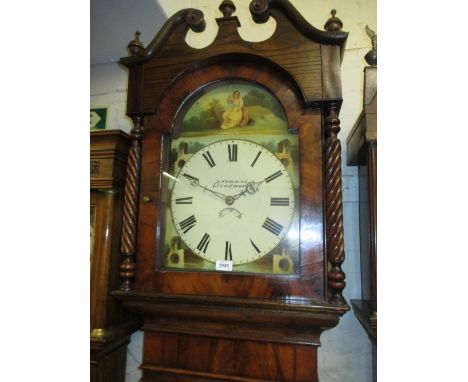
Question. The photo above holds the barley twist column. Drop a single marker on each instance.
(130, 213)
(334, 206)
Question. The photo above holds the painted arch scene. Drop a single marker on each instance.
(235, 107)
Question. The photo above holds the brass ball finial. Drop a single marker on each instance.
(135, 46)
(227, 8)
(333, 24)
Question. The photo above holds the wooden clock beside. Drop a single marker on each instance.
(362, 152)
(262, 320)
(111, 327)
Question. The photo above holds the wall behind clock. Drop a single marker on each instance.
(346, 351)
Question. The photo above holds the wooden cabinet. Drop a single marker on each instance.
(110, 326)
(362, 152)
(260, 317)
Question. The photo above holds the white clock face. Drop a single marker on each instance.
(233, 200)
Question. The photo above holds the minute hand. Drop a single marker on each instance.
(195, 182)
(218, 194)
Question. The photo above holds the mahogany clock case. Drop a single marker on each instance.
(241, 326)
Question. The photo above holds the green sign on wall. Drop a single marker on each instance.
(98, 118)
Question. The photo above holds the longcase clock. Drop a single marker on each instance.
(362, 152)
(111, 327)
(232, 240)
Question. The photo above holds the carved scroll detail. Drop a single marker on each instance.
(260, 10)
(195, 20)
(130, 213)
(334, 206)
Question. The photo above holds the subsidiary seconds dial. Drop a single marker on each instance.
(233, 200)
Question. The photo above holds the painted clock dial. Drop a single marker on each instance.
(230, 184)
(233, 200)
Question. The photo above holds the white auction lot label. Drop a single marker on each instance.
(223, 265)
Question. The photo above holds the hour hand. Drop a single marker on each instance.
(251, 188)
